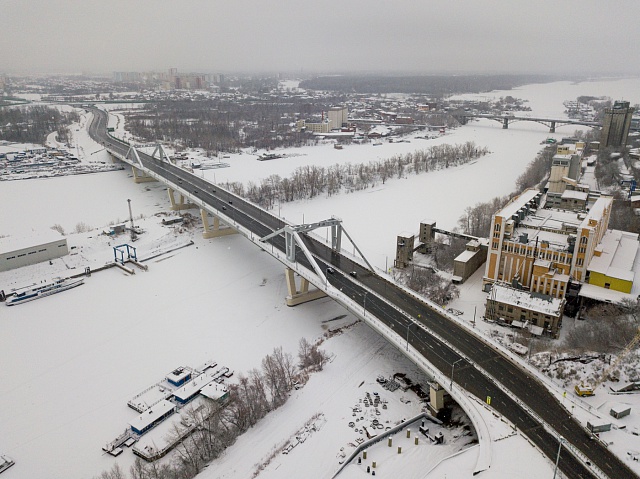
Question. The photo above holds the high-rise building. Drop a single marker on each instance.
(338, 117)
(615, 125)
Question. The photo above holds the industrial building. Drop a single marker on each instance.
(564, 168)
(338, 117)
(16, 252)
(540, 249)
(467, 262)
(612, 264)
(537, 312)
(404, 250)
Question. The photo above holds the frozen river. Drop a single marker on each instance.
(68, 367)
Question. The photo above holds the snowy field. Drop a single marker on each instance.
(70, 362)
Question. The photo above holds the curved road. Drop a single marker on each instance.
(478, 374)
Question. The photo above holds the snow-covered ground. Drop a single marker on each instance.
(70, 362)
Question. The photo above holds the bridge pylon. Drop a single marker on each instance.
(162, 154)
(215, 230)
(139, 175)
(300, 295)
(294, 241)
(182, 203)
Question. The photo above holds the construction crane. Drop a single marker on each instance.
(134, 236)
(586, 389)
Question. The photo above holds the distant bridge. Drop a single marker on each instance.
(552, 123)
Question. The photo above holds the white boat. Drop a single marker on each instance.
(57, 286)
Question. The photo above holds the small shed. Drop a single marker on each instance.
(191, 389)
(179, 376)
(215, 391)
(597, 425)
(620, 410)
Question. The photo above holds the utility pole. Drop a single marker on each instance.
(452, 368)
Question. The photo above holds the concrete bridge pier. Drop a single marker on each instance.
(181, 204)
(140, 176)
(214, 231)
(302, 295)
(505, 123)
(552, 129)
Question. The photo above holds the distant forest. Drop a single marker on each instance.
(32, 124)
(434, 85)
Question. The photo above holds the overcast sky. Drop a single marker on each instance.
(424, 36)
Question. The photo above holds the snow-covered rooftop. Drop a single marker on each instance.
(178, 375)
(193, 386)
(466, 255)
(618, 251)
(575, 195)
(14, 243)
(597, 210)
(605, 295)
(511, 208)
(151, 415)
(214, 390)
(524, 299)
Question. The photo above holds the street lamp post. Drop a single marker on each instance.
(408, 326)
(453, 365)
(555, 471)
(364, 304)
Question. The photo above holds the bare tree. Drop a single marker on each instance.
(58, 228)
(310, 355)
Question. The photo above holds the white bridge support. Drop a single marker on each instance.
(215, 230)
(182, 203)
(162, 154)
(302, 295)
(139, 175)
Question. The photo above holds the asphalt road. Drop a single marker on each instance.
(475, 374)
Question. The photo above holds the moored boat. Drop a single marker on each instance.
(57, 286)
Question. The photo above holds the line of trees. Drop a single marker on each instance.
(476, 220)
(32, 124)
(439, 85)
(255, 394)
(311, 181)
